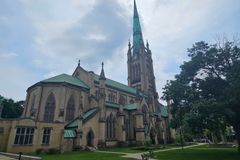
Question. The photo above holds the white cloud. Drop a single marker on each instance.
(15, 80)
(98, 30)
(8, 55)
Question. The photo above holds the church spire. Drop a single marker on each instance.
(137, 31)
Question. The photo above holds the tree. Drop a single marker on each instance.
(10, 108)
(208, 86)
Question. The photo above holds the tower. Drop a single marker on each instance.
(140, 64)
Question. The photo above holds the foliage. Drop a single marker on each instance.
(41, 151)
(11, 109)
(53, 151)
(206, 93)
(147, 144)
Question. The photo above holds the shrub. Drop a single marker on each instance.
(147, 144)
(40, 151)
(53, 151)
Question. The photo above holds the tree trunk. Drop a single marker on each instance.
(214, 138)
(238, 139)
(237, 134)
(223, 137)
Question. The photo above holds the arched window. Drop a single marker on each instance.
(112, 97)
(127, 125)
(133, 73)
(111, 124)
(139, 72)
(144, 111)
(49, 108)
(136, 74)
(32, 110)
(70, 109)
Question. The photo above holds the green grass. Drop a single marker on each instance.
(200, 153)
(83, 155)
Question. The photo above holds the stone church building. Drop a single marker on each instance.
(67, 112)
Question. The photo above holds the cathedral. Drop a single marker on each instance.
(69, 112)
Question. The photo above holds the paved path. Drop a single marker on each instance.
(5, 158)
(138, 155)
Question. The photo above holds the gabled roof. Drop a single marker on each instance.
(116, 85)
(64, 78)
(86, 115)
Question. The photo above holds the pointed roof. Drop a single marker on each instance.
(102, 74)
(64, 78)
(137, 31)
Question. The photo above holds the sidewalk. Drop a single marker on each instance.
(138, 155)
(6, 158)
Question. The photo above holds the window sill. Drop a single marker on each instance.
(22, 145)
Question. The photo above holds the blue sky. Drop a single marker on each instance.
(43, 38)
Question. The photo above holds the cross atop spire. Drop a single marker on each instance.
(137, 31)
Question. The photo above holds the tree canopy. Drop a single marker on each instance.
(208, 88)
(10, 108)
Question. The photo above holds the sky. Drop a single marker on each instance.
(43, 38)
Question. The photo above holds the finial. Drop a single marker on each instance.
(147, 44)
(129, 43)
(79, 62)
(102, 74)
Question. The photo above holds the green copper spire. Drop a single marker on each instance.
(137, 31)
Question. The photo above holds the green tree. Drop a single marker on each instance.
(10, 108)
(208, 86)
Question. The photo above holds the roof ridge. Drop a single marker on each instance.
(66, 78)
(117, 82)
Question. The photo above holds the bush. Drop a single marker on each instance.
(122, 144)
(77, 148)
(40, 151)
(53, 151)
(161, 141)
(171, 140)
(147, 144)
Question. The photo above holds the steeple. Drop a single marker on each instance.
(140, 65)
(137, 31)
(102, 74)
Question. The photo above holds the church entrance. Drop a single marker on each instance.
(90, 138)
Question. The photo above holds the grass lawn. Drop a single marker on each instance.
(83, 155)
(200, 153)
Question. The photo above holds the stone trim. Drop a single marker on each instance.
(140, 130)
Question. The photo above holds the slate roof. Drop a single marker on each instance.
(68, 133)
(116, 85)
(64, 78)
